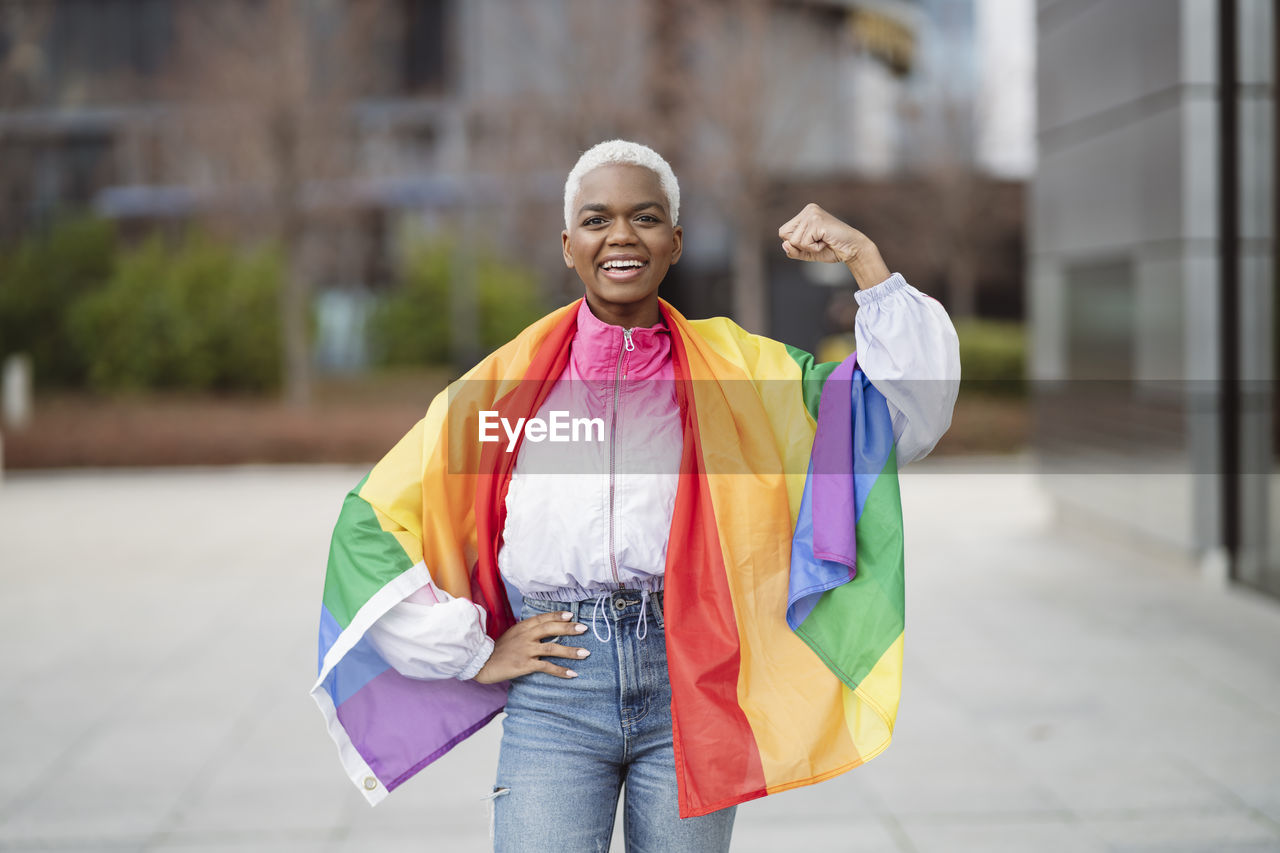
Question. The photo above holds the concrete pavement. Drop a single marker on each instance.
(1062, 693)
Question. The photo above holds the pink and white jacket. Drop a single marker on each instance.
(591, 516)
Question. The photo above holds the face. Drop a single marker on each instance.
(621, 242)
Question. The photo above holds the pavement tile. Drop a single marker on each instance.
(1007, 835)
(427, 837)
(833, 833)
(1182, 830)
(1155, 784)
(255, 811)
(83, 816)
(961, 790)
(55, 845)
(264, 842)
(944, 770)
(1199, 847)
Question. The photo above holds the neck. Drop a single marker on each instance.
(628, 316)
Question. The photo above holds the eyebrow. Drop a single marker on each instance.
(604, 208)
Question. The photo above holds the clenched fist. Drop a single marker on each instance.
(813, 234)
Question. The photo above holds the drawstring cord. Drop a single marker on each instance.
(642, 627)
(594, 611)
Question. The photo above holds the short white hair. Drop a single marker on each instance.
(622, 151)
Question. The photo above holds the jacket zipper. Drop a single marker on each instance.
(618, 375)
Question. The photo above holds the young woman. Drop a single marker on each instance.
(671, 600)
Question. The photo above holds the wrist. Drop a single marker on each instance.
(867, 266)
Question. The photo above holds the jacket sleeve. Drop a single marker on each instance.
(432, 635)
(908, 348)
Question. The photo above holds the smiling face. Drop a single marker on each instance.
(621, 243)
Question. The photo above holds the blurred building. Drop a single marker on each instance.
(467, 115)
(1153, 277)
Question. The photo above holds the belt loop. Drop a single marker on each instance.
(655, 601)
(573, 610)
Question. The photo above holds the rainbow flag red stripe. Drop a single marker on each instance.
(784, 594)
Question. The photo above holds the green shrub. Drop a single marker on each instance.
(198, 317)
(41, 279)
(412, 325)
(993, 356)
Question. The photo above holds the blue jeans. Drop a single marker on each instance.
(570, 745)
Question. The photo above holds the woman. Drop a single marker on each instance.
(701, 619)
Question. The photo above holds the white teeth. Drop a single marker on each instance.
(613, 265)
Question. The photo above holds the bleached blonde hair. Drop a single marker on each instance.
(622, 151)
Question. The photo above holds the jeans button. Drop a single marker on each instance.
(620, 603)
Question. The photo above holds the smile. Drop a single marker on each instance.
(623, 270)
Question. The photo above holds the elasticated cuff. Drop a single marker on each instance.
(478, 661)
(889, 286)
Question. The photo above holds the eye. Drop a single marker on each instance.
(591, 220)
(649, 216)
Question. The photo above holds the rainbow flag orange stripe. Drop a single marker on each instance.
(784, 593)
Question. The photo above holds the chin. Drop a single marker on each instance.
(625, 296)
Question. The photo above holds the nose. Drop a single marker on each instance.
(620, 232)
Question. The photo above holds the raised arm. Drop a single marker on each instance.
(907, 345)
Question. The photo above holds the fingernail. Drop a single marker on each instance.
(582, 653)
(579, 627)
(571, 673)
(566, 615)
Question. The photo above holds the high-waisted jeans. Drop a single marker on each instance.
(570, 745)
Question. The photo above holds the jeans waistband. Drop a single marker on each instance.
(570, 594)
(609, 606)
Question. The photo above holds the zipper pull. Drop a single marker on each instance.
(627, 343)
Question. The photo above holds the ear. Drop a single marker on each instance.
(677, 239)
(565, 249)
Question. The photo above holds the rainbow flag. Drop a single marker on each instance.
(784, 583)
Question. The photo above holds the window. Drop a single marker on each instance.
(425, 63)
(1100, 320)
(95, 44)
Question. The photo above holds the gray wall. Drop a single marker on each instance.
(1124, 264)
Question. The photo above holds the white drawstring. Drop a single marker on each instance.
(642, 627)
(595, 610)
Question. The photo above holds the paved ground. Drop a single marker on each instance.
(1061, 694)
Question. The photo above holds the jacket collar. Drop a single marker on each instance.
(597, 347)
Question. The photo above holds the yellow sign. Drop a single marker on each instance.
(884, 37)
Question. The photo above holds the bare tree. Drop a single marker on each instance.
(23, 75)
(728, 94)
(266, 131)
(959, 222)
(964, 220)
